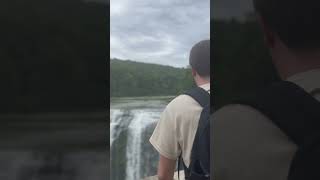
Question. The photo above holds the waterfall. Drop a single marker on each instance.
(115, 115)
(132, 123)
(137, 125)
(133, 152)
(142, 120)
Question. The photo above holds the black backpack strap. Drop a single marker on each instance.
(203, 98)
(297, 114)
(200, 95)
(179, 162)
(185, 168)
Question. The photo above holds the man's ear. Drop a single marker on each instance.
(269, 35)
(194, 72)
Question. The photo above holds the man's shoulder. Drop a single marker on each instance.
(238, 109)
(243, 134)
(182, 100)
(186, 100)
(238, 114)
(244, 120)
(183, 104)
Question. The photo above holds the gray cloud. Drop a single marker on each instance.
(158, 31)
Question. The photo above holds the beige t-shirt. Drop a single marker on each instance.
(176, 129)
(248, 146)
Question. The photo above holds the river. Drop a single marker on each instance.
(132, 123)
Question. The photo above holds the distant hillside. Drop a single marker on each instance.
(129, 78)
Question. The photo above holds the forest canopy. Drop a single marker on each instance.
(129, 78)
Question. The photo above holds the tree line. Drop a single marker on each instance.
(129, 78)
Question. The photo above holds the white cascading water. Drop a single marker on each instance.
(132, 123)
(115, 121)
(141, 120)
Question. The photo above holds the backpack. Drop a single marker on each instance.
(199, 168)
(297, 114)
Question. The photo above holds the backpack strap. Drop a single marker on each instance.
(297, 114)
(200, 95)
(179, 162)
(185, 168)
(203, 98)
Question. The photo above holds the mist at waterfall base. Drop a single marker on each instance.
(132, 123)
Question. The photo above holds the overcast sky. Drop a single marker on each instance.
(158, 31)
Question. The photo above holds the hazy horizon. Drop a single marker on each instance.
(153, 63)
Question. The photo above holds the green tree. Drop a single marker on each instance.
(129, 78)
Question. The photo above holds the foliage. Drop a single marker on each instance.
(129, 78)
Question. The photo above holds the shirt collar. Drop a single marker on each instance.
(308, 80)
(205, 86)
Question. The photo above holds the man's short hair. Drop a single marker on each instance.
(200, 58)
(296, 22)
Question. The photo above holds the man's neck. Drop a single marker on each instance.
(202, 83)
(299, 63)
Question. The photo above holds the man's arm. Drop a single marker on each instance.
(166, 168)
